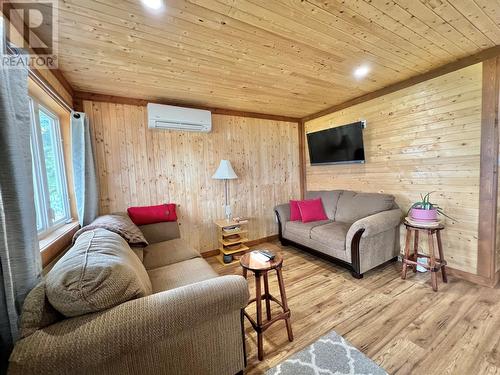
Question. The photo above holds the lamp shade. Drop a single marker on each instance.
(225, 171)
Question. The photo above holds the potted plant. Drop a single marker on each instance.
(425, 210)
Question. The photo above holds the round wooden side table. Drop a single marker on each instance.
(435, 264)
(261, 269)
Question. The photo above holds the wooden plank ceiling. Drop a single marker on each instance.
(284, 57)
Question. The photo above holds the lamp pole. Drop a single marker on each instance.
(225, 172)
(228, 207)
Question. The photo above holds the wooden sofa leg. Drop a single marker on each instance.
(284, 242)
(355, 258)
(356, 275)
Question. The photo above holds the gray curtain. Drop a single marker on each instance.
(84, 173)
(20, 261)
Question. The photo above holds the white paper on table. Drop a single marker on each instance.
(259, 257)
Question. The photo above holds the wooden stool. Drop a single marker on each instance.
(435, 264)
(260, 269)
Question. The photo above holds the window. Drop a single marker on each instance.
(49, 178)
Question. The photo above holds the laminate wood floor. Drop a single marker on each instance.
(402, 325)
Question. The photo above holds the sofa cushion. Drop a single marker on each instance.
(329, 198)
(168, 252)
(320, 246)
(301, 229)
(100, 271)
(332, 234)
(179, 274)
(37, 312)
(353, 206)
(159, 232)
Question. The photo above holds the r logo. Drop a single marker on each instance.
(30, 29)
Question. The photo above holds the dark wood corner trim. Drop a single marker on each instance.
(488, 181)
(447, 68)
(63, 81)
(302, 159)
(80, 96)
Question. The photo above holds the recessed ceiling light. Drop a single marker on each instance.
(361, 71)
(153, 4)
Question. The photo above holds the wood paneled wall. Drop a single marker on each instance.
(141, 166)
(423, 138)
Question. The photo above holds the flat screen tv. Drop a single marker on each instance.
(342, 144)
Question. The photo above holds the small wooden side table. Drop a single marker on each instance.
(261, 269)
(435, 264)
(224, 233)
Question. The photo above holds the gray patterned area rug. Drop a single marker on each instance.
(330, 355)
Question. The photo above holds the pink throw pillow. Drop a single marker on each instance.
(294, 211)
(312, 210)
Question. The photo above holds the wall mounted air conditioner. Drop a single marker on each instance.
(170, 117)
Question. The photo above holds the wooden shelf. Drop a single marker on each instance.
(225, 223)
(235, 261)
(224, 234)
(242, 231)
(240, 250)
(232, 242)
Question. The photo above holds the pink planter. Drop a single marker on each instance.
(420, 214)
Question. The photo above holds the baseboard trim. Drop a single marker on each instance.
(258, 241)
(210, 253)
(476, 279)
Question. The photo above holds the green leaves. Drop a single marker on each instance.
(425, 204)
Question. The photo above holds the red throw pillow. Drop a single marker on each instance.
(312, 210)
(294, 211)
(152, 214)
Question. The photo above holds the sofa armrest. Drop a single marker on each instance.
(128, 327)
(375, 224)
(283, 212)
(373, 240)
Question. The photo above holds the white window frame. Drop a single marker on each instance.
(40, 174)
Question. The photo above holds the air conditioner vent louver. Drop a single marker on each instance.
(178, 118)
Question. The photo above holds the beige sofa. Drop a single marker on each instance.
(361, 233)
(188, 320)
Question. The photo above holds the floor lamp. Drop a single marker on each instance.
(225, 172)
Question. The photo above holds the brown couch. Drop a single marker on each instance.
(183, 317)
(362, 230)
